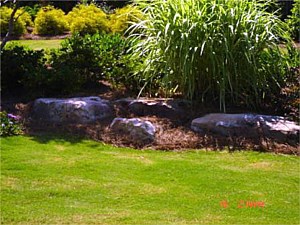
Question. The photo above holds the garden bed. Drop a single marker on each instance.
(173, 130)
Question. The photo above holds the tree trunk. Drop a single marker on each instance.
(10, 27)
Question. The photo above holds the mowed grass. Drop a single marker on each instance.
(59, 180)
(40, 44)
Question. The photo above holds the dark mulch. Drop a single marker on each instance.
(173, 133)
(168, 137)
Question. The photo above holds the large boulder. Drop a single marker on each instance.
(169, 108)
(138, 130)
(71, 110)
(248, 125)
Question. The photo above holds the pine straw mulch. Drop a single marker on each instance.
(171, 135)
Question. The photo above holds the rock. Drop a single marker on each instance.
(71, 110)
(137, 129)
(169, 108)
(248, 125)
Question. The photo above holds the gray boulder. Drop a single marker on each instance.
(137, 129)
(71, 110)
(248, 125)
(162, 107)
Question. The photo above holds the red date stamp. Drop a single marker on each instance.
(244, 204)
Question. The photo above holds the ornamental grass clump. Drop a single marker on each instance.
(213, 50)
(294, 21)
(122, 18)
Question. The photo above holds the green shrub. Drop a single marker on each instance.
(50, 21)
(29, 71)
(10, 124)
(87, 19)
(32, 10)
(24, 16)
(294, 21)
(94, 57)
(80, 63)
(19, 25)
(224, 50)
(17, 64)
(286, 102)
(122, 18)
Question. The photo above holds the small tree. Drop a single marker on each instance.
(12, 19)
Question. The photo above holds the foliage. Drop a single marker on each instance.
(32, 11)
(69, 180)
(10, 124)
(50, 21)
(17, 64)
(27, 70)
(294, 21)
(94, 57)
(87, 19)
(287, 101)
(210, 50)
(122, 18)
(22, 18)
(80, 63)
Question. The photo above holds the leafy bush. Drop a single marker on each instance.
(50, 21)
(87, 19)
(20, 24)
(122, 18)
(223, 50)
(80, 63)
(94, 57)
(286, 102)
(17, 64)
(10, 124)
(32, 11)
(294, 21)
(27, 70)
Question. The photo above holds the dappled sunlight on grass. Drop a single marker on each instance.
(40, 44)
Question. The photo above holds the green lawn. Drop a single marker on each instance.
(57, 180)
(41, 44)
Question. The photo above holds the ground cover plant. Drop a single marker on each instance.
(70, 180)
(225, 51)
(10, 124)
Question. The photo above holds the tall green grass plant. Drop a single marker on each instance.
(213, 50)
(294, 21)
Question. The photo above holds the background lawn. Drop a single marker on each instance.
(58, 180)
(40, 44)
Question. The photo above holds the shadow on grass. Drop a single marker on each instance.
(46, 137)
